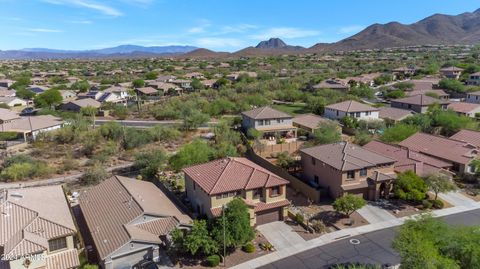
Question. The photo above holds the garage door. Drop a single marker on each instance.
(268, 216)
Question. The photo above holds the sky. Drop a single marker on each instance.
(221, 25)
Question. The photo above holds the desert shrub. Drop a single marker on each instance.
(5, 136)
(94, 175)
(438, 204)
(162, 133)
(266, 246)
(213, 260)
(318, 226)
(249, 248)
(427, 204)
(298, 218)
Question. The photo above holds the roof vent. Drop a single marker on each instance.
(16, 195)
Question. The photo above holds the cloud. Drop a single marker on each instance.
(44, 30)
(196, 30)
(285, 32)
(105, 9)
(351, 29)
(201, 27)
(240, 28)
(217, 42)
(81, 22)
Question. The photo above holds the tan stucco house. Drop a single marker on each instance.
(211, 185)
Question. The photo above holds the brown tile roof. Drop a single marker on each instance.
(30, 217)
(421, 100)
(440, 93)
(351, 106)
(345, 156)
(63, 260)
(265, 112)
(331, 84)
(468, 136)
(7, 114)
(440, 147)
(86, 102)
(33, 123)
(109, 207)
(424, 84)
(462, 107)
(147, 90)
(407, 159)
(393, 113)
(310, 121)
(232, 174)
(451, 68)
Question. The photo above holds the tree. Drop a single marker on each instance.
(151, 75)
(452, 85)
(238, 230)
(150, 163)
(193, 118)
(348, 204)
(439, 183)
(349, 122)
(48, 99)
(398, 133)
(284, 160)
(198, 240)
(197, 84)
(138, 83)
(24, 93)
(316, 104)
(196, 152)
(395, 94)
(81, 86)
(327, 133)
(410, 187)
(94, 175)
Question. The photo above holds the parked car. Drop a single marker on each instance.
(28, 111)
(146, 265)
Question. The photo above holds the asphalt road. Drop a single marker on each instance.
(148, 123)
(373, 248)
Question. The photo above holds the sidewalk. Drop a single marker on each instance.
(350, 232)
(374, 214)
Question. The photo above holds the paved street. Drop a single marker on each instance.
(374, 247)
(280, 235)
(374, 214)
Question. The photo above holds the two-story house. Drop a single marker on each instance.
(127, 221)
(37, 229)
(351, 108)
(418, 103)
(348, 168)
(474, 79)
(473, 97)
(270, 122)
(451, 72)
(210, 186)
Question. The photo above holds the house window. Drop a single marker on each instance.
(257, 193)
(351, 175)
(363, 172)
(368, 113)
(267, 122)
(194, 185)
(57, 244)
(357, 115)
(225, 195)
(260, 122)
(337, 112)
(275, 191)
(315, 179)
(313, 161)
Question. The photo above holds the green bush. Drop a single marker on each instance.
(438, 204)
(427, 204)
(319, 226)
(213, 260)
(249, 248)
(6, 136)
(298, 218)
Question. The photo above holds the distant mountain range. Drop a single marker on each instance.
(437, 29)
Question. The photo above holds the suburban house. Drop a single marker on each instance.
(351, 108)
(404, 72)
(473, 97)
(13, 101)
(424, 84)
(126, 221)
(121, 91)
(37, 229)
(68, 95)
(451, 72)
(474, 79)
(393, 114)
(165, 78)
(235, 75)
(28, 127)
(459, 153)
(407, 159)
(418, 103)
(185, 84)
(77, 105)
(465, 109)
(37, 89)
(440, 94)
(469, 136)
(5, 92)
(270, 122)
(165, 88)
(104, 97)
(343, 167)
(7, 83)
(310, 122)
(147, 92)
(333, 85)
(210, 186)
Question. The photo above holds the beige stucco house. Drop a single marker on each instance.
(211, 185)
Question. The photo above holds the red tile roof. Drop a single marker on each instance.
(351, 106)
(232, 174)
(469, 136)
(420, 99)
(462, 107)
(266, 112)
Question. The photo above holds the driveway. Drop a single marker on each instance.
(456, 199)
(375, 214)
(280, 235)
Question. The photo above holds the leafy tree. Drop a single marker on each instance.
(164, 133)
(284, 160)
(404, 85)
(363, 138)
(395, 94)
(48, 98)
(238, 231)
(316, 104)
(135, 138)
(398, 133)
(193, 118)
(327, 133)
(439, 183)
(349, 122)
(198, 240)
(24, 93)
(348, 204)
(363, 92)
(195, 152)
(150, 163)
(253, 133)
(138, 83)
(94, 175)
(81, 86)
(111, 130)
(90, 266)
(410, 187)
(451, 85)
(197, 84)
(151, 75)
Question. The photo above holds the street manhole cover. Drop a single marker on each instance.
(354, 241)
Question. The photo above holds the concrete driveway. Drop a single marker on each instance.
(280, 235)
(375, 214)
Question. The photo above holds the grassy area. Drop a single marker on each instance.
(292, 109)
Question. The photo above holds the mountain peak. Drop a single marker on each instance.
(272, 43)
